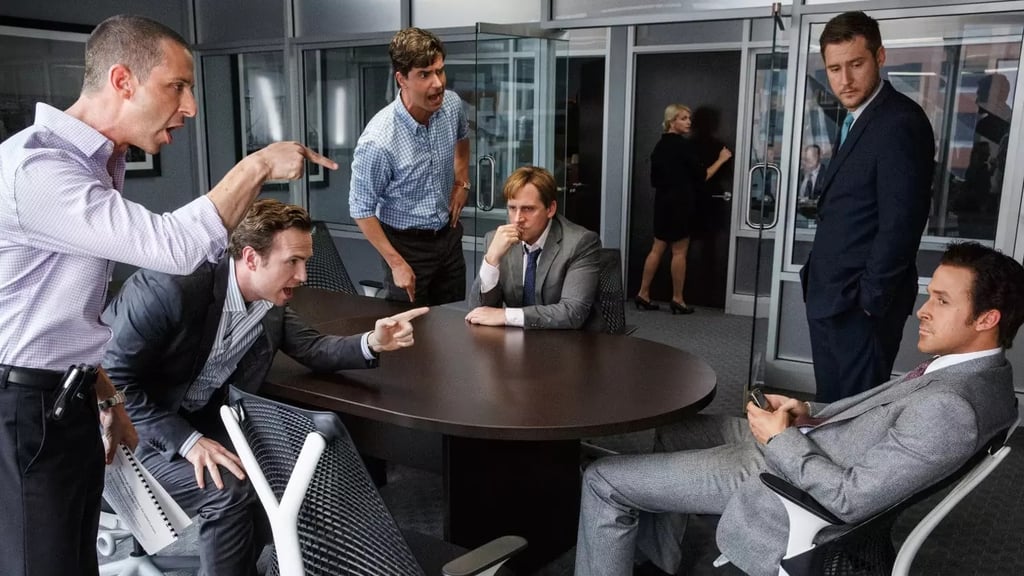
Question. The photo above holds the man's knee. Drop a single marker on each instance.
(236, 497)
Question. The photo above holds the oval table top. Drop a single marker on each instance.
(496, 382)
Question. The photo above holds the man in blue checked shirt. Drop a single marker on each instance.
(63, 224)
(410, 177)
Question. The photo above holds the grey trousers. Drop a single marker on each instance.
(227, 517)
(636, 506)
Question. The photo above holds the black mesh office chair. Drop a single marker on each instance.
(325, 269)
(338, 525)
(821, 544)
(610, 295)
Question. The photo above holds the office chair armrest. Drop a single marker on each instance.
(798, 497)
(488, 557)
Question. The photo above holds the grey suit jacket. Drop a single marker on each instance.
(566, 283)
(163, 330)
(876, 448)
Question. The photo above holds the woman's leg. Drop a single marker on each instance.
(678, 267)
(650, 267)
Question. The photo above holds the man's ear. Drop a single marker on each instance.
(250, 258)
(120, 78)
(987, 320)
(400, 79)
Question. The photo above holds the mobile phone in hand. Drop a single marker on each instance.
(757, 397)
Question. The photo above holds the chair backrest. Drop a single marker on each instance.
(610, 300)
(866, 548)
(325, 269)
(344, 528)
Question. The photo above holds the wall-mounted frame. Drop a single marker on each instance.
(140, 164)
(40, 61)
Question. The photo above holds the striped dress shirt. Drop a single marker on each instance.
(239, 327)
(63, 222)
(402, 171)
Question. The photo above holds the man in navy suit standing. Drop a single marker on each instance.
(860, 280)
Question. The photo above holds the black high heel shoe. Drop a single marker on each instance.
(642, 304)
(678, 308)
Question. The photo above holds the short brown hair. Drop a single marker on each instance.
(263, 220)
(414, 48)
(998, 284)
(849, 25)
(537, 176)
(125, 39)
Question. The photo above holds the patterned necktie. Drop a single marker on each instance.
(846, 128)
(918, 371)
(530, 279)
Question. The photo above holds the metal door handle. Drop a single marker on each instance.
(479, 199)
(727, 196)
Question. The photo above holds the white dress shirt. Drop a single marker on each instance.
(489, 276)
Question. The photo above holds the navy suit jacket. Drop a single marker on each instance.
(874, 201)
(163, 330)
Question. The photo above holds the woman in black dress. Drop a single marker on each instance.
(677, 176)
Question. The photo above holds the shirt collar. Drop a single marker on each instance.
(79, 134)
(947, 360)
(540, 241)
(402, 113)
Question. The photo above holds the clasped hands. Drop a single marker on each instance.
(767, 423)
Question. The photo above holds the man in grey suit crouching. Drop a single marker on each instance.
(855, 456)
(178, 341)
(540, 270)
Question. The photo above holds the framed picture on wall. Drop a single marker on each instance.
(139, 164)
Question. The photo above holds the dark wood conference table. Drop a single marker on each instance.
(508, 405)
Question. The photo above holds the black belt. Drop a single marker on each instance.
(417, 232)
(29, 377)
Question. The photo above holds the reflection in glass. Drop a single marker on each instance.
(962, 70)
(763, 168)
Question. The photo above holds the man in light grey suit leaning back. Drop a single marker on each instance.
(855, 456)
(540, 270)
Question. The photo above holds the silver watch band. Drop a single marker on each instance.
(112, 401)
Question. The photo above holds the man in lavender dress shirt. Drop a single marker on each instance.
(63, 223)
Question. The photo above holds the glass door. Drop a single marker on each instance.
(763, 194)
(517, 114)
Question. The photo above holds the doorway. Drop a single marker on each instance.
(707, 82)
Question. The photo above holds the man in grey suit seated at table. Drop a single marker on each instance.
(855, 456)
(178, 340)
(540, 270)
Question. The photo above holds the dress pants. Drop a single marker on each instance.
(634, 506)
(227, 517)
(437, 260)
(854, 352)
(51, 482)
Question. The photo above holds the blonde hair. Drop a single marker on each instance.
(670, 114)
(539, 177)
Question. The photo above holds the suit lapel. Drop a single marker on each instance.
(514, 260)
(859, 127)
(213, 315)
(552, 246)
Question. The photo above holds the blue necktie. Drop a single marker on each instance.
(530, 279)
(846, 128)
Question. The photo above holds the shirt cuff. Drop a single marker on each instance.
(364, 343)
(489, 276)
(189, 443)
(203, 211)
(514, 317)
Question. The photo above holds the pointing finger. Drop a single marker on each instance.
(319, 158)
(410, 314)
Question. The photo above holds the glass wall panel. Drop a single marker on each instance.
(962, 71)
(245, 104)
(573, 9)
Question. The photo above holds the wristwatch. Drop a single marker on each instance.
(463, 184)
(112, 401)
